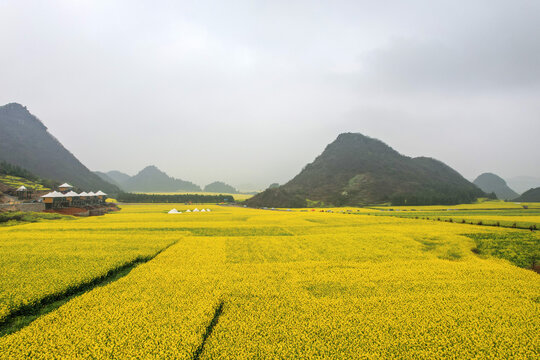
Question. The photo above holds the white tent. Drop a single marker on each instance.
(72, 194)
(65, 185)
(54, 194)
(22, 188)
(84, 193)
(91, 193)
(208, 210)
(173, 211)
(203, 210)
(101, 193)
(188, 210)
(195, 210)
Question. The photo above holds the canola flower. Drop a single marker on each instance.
(304, 285)
(47, 258)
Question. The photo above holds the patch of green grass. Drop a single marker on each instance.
(520, 248)
(19, 217)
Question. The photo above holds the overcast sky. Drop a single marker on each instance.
(248, 92)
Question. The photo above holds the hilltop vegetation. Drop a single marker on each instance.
(358, 170)
(25, 142)
(523, 183)
(532, 195)
(220, 187)
(491, 183)
(149, 179)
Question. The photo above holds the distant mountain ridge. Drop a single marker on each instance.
(149, 179)
(523, 183)
(106, 178)
(118, 176)
(220, 187)
(490, 182)
(358, 170)
(25, 142)
(531, 195)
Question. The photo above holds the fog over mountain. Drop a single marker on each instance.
(247, 91)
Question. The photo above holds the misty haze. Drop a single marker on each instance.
(269, 179)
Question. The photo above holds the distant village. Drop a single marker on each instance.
(62, 200)
(66, 197)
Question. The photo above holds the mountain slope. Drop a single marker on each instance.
(489, 183)
(151, 179)
(220, 187)
(358, 170)
(118, 176)
(25, 142)
(106, 178)
(531, 195)
(523, 183)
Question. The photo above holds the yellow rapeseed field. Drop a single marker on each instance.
(253, 284)
(47, 258)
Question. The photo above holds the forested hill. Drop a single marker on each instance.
(531, 195)
(489, 183)
(220, 187)
(151, 179)
(25, 142)
(358, 170)
(106, 178)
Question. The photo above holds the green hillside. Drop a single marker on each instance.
(25, 142)
(531, 195)
(491, 183)
(152, 179)
(14, 176)
(358, 170)
(16, 182)
(220, 187)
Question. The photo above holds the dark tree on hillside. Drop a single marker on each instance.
(176, 198)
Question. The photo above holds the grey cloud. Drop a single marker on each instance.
(250, 91)
(499, 52)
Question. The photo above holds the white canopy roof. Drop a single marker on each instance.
(71, 194)
(207, 209)
(65, 185)
(22, 188)
(84, 193)
(91, 193)
(54, 194)
(188, 210)
(101, 193)
(173, 211)
(195, 210)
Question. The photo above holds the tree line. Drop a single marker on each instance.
(173, 198)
